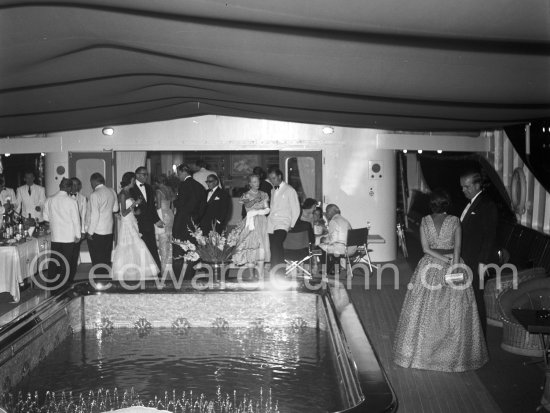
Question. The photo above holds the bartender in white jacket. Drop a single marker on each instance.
(31, 197)
(284, 212)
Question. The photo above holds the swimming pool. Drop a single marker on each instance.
(308, 351)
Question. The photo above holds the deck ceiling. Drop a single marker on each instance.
(422, 65)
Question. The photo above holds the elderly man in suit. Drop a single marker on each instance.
(102, 205)
(479, 226)
(61, 211)
(147, 216)
(190, 205)
(217, 207)
(31, 197)
(334, 244)
(285, 211)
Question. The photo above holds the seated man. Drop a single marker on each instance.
(334, 244)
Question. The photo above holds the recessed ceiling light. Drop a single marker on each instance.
(327, 130)
(8, 154)
(420, 151)
(405, 151)
(439, 151)
(108, 131)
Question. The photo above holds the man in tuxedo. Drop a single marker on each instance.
(217, 206)
(190, 205)
(285, 210)
(147, 216)
(102, 205)
(31, 197)
(61, 211)
(479, 226)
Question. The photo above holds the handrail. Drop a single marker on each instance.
(348, 368)
(370, 401)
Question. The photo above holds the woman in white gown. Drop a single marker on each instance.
(131, 258)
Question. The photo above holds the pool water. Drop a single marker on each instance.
(293, 363)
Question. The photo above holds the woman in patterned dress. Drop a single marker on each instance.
(254, 248)
(439, 327)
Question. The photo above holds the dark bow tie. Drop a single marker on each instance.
(142, 185)
(276, 187)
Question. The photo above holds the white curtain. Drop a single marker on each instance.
(127, 162)
(306, 167)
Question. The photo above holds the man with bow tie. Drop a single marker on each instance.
(285, 210)
(147, 216)
(217, 206)
(479, 227)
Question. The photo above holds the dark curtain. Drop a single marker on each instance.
(538, 160)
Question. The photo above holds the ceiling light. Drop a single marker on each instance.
(405, 151)
(42, 154)
(419, 151)
(439, 151)
(327, 130)
(108, 131)
(8, 154)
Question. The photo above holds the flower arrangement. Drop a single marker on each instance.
(213, 248)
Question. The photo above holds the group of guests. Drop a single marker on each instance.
(442, 325)
(151, 217)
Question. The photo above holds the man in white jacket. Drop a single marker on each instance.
(31, 197)
(284, 212)
(61, 211)
(335, 243)
(103, 203)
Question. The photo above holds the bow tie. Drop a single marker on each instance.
(142, 185)
(276, 187)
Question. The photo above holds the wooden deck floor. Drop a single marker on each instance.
(502, 385)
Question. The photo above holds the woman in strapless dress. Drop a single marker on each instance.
(131, 257)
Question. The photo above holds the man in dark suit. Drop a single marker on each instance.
(147, 216)
(479, 226)
(190, 205)
(217, 206)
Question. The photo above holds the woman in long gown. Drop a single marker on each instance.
(439, 327)
(131, 258)
(254, 248)
(164, 197)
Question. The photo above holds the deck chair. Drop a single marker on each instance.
(358, 238)
(298, 251)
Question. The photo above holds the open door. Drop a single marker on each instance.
(84, 164)
(304, 171)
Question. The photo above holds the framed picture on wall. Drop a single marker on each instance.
(242, 164)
